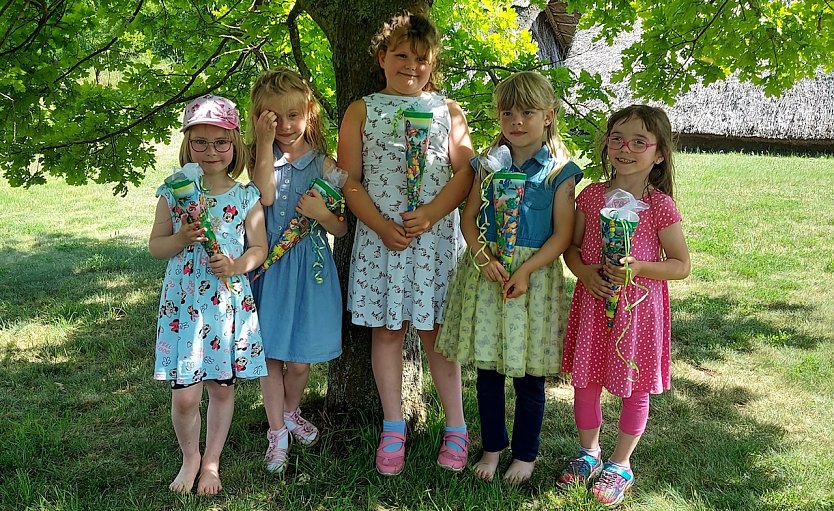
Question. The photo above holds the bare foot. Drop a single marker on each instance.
(209, 483)
(486, 466)
(519, 471)
(185, 478)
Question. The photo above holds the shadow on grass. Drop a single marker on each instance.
(699, 447)
(700, 443)
(705, 328)
(91, 430)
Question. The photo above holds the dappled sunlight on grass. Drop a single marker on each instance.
(748, 424)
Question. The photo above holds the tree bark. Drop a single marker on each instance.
(349, 26)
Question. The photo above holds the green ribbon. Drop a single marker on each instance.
(482, 225)
(629, 307)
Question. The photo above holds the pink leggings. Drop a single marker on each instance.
(588, 413)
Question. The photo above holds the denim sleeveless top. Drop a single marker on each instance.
(536, 211)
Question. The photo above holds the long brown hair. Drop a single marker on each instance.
(418, 30)
(286, 84)
(656, 122)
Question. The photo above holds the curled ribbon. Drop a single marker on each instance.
(629, 307)
(483, 225)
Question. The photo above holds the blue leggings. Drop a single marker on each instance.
(529, 413)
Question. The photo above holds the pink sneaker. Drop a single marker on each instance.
(302, 430)
(452, 459)
(276, 454)
(390, 463)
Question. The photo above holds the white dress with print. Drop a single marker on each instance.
(388, 287)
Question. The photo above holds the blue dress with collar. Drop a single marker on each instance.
(301, 320)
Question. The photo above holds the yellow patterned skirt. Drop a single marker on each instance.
(521, 336)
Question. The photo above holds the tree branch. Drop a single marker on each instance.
(100, 50)
(693, 43)
(45, 15)
(12, 23)
(304, 71)
(179, 97)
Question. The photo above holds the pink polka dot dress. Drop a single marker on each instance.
(590, 351)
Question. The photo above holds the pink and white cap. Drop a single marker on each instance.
(214, 110)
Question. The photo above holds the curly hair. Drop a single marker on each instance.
(416, 29)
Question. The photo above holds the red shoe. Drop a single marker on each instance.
(452, 459)
(390, 463)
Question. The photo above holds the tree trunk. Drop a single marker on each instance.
(349, 26)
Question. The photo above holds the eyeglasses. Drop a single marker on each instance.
(200, 146)
(634, 145)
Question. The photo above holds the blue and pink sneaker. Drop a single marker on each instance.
(612, 484)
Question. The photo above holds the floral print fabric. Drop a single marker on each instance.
(388, 287)
(204, 330)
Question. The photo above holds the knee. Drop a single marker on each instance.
(184, 403)
(297, 370)
(387, 337)
(220, 393)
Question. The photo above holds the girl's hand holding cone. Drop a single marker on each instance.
(591, 277)
(517, 284)
(617, 274)
(190, 233)
(417, 222)
(394, 236)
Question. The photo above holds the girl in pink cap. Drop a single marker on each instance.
(207, 329)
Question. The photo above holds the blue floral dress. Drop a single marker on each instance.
(205, 331)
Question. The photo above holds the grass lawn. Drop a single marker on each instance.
(749, 423)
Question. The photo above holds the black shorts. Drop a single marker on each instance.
(223, 383)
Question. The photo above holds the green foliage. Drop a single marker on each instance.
(768, 43)
(89, 87)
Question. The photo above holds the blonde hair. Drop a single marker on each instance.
(416, 29)
(284, 83)
(239, 158)
(528, 90)
(656, 122)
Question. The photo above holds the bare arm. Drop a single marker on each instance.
(264, 174)
(460, 152)
(469, 217)
(349, 155)
(164, 243)
(255, 239)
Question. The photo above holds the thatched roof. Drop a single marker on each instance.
(553, 28)
(724, 115)
(802, 115)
